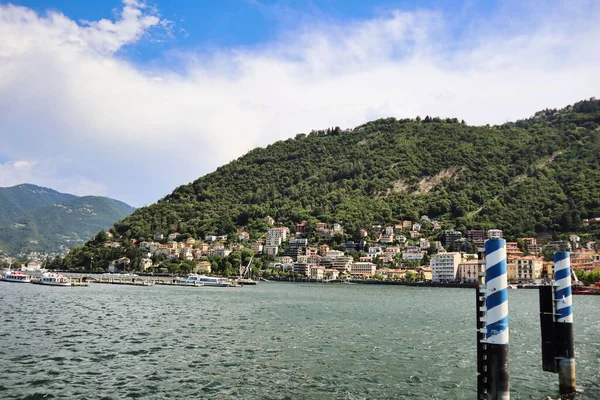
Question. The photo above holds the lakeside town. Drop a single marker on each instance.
(406, 251)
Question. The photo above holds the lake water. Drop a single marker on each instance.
(271, 341)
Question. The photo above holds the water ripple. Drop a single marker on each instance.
(274, 341)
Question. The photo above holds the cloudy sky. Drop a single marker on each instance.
(132, 98)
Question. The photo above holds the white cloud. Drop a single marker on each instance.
(23, 171)
(95, 121)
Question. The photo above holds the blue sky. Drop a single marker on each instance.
(132, 98)
(206, 26)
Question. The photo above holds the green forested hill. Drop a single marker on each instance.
(63, 224)
(17, 201)
(533, 175)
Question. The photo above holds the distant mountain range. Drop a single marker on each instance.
(34, 218)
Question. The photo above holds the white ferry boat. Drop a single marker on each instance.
(15, 276)
(203, 280)
(52, 279)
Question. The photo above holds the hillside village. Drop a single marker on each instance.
(408, 250)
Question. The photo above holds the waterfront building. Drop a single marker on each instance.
(317, 272)
(445, 266)
(145, 263)
(332, 274)
(392, 273)
(301, 268)
(528, 268)
(342, 264)
(425, 273)
(203, 267)
(362, 268)
(468, 271)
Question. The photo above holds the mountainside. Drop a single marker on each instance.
(59, 225)
(534, 175)
(18, 200)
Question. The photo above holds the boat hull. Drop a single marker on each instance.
(51, 284)
(15, 281)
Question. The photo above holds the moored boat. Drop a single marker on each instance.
(586, 291)
(15, 276)
(52, 279)
(203, 280)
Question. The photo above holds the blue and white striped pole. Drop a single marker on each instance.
(497, 319)
(563, 300)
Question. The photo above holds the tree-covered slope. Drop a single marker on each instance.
(538, 174)
(61, 225)
(18, 200)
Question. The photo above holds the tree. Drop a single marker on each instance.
(410, 276)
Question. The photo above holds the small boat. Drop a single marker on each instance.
(52, 279)
(246, 278)
(210, 281)
(586, 291)
(16, 276)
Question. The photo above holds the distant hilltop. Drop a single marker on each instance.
(34, 218)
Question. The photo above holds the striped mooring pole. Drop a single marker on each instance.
(563, 298)
(558, 353)
(493, 373)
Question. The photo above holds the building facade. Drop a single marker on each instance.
(444, 266)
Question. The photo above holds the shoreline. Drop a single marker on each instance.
(376, 282)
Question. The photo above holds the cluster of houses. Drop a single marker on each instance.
(388, 252)
(32, 261)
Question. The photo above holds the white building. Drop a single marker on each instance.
(334, 254)
(445, 266)
(343, 263)
(281, 232)
(413, 256)
(317, 272)
(494, 234)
